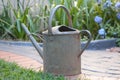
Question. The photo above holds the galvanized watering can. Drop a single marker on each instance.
(61, 51)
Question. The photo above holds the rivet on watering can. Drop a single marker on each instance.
(51, 38)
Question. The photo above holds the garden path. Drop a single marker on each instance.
(96, 65)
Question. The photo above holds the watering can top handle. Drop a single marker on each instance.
(52, 15)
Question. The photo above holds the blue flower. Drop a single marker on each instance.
(107, 4)
(98, 19)
(117, 5)
(101, 31)
(118, 15)
(99, 1)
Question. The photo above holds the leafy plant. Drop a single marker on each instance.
(5, 19)
(22, 14)
(83, 13)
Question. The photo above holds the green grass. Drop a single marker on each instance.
(11, 71)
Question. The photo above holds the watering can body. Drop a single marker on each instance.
(61, 51)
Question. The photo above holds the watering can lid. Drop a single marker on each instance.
(60, 30)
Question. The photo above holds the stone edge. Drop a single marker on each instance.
(94, 45)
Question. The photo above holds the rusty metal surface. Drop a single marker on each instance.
(61, 51)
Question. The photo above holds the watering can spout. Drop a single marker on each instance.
(34, 42)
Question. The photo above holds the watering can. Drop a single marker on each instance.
(61, 51)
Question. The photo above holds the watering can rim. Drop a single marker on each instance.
(55, 31)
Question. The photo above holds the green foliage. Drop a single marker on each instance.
(5, 19)
(12, 17)
(11, 71)
(118, 42)
(82, 12)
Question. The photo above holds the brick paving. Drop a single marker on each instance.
(96, 65)
(22, 61)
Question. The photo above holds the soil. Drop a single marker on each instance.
(114, 49)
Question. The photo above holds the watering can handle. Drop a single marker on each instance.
(52, 15)
(90, 38)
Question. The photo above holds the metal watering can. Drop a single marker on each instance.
(61, 51)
